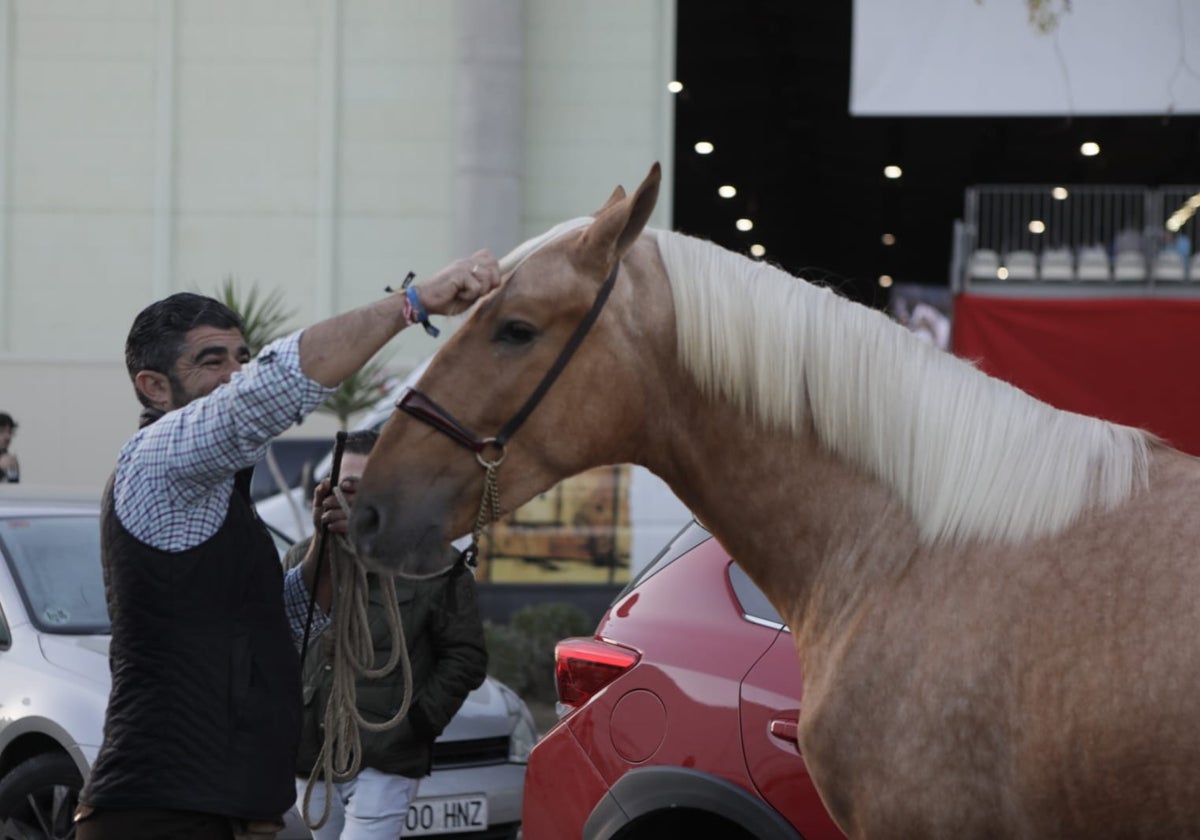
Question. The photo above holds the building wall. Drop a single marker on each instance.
(319, 148)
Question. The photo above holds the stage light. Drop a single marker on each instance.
(704, 148)
(892, 171)
(675, 87)
(1089, 149)
(744, 224)
(726, 191)
(757, 250)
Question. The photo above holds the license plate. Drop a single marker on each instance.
(446, 815)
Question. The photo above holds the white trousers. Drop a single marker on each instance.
(371, 806)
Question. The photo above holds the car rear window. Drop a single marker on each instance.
(55, 561)
(691, 535)
(754, 603)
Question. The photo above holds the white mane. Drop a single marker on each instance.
(972, 456)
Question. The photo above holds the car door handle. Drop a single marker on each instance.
(786, 729)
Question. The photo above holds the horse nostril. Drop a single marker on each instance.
(365, 523)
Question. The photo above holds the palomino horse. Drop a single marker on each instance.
(996, 604)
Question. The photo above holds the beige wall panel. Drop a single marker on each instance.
(306, 146)
(82, 278)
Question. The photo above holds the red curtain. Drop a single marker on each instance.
(1129, 360)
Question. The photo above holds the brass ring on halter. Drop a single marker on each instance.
(489, 464)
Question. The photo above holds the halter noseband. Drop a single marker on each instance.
(423, 408)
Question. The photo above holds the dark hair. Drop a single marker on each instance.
(361, 442)
(156, 338)
(7, 422)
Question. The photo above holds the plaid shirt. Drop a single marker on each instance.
(174, 477)
(296, 597)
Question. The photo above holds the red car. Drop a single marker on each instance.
(680, 714)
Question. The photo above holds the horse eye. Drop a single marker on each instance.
(515, 332)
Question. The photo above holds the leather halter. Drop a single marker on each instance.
(423, 408)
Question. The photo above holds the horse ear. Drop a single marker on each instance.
(617, 195)
(620, 222)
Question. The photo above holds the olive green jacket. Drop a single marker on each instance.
(444, 634)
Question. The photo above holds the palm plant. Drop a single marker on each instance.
(263, 320)
(358, 392)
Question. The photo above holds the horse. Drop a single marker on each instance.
(995, 603)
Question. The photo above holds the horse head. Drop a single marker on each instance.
(474, 406)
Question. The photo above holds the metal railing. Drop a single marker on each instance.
(1032, 234)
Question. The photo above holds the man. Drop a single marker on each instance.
(203, 718)
(444, 636)
(10, 468)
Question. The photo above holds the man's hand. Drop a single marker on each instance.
(327, 510)
(453, 289)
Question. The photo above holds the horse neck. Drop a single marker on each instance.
(813, 532)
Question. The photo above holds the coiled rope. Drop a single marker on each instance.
(340, 756)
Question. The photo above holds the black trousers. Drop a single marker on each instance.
(149, 824)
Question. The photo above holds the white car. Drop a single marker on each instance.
(54, 684)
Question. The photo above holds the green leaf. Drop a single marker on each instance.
(263, 320)
(357, 392)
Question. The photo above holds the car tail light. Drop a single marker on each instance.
(583, 666)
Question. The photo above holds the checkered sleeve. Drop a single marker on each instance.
(173, 478)
(295, 603)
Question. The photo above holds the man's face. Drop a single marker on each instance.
(210, 356)
(353, 465)
(350, 472)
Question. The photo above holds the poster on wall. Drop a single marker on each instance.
(578, 531)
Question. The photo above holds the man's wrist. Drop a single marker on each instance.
(415, 312)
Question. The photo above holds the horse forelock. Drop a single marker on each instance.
(513, 259)
(971, 456)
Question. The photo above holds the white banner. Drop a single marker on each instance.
(985, 58)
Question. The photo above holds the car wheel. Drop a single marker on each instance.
(38, 799)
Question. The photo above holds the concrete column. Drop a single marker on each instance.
(487, 172)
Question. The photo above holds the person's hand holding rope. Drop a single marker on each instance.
(343, 591)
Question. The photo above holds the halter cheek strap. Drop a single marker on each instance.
(423, 408)
(581, 331)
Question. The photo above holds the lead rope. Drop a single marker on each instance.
(353, 655)
(354, 651)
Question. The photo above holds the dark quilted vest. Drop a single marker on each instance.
(204, 713)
